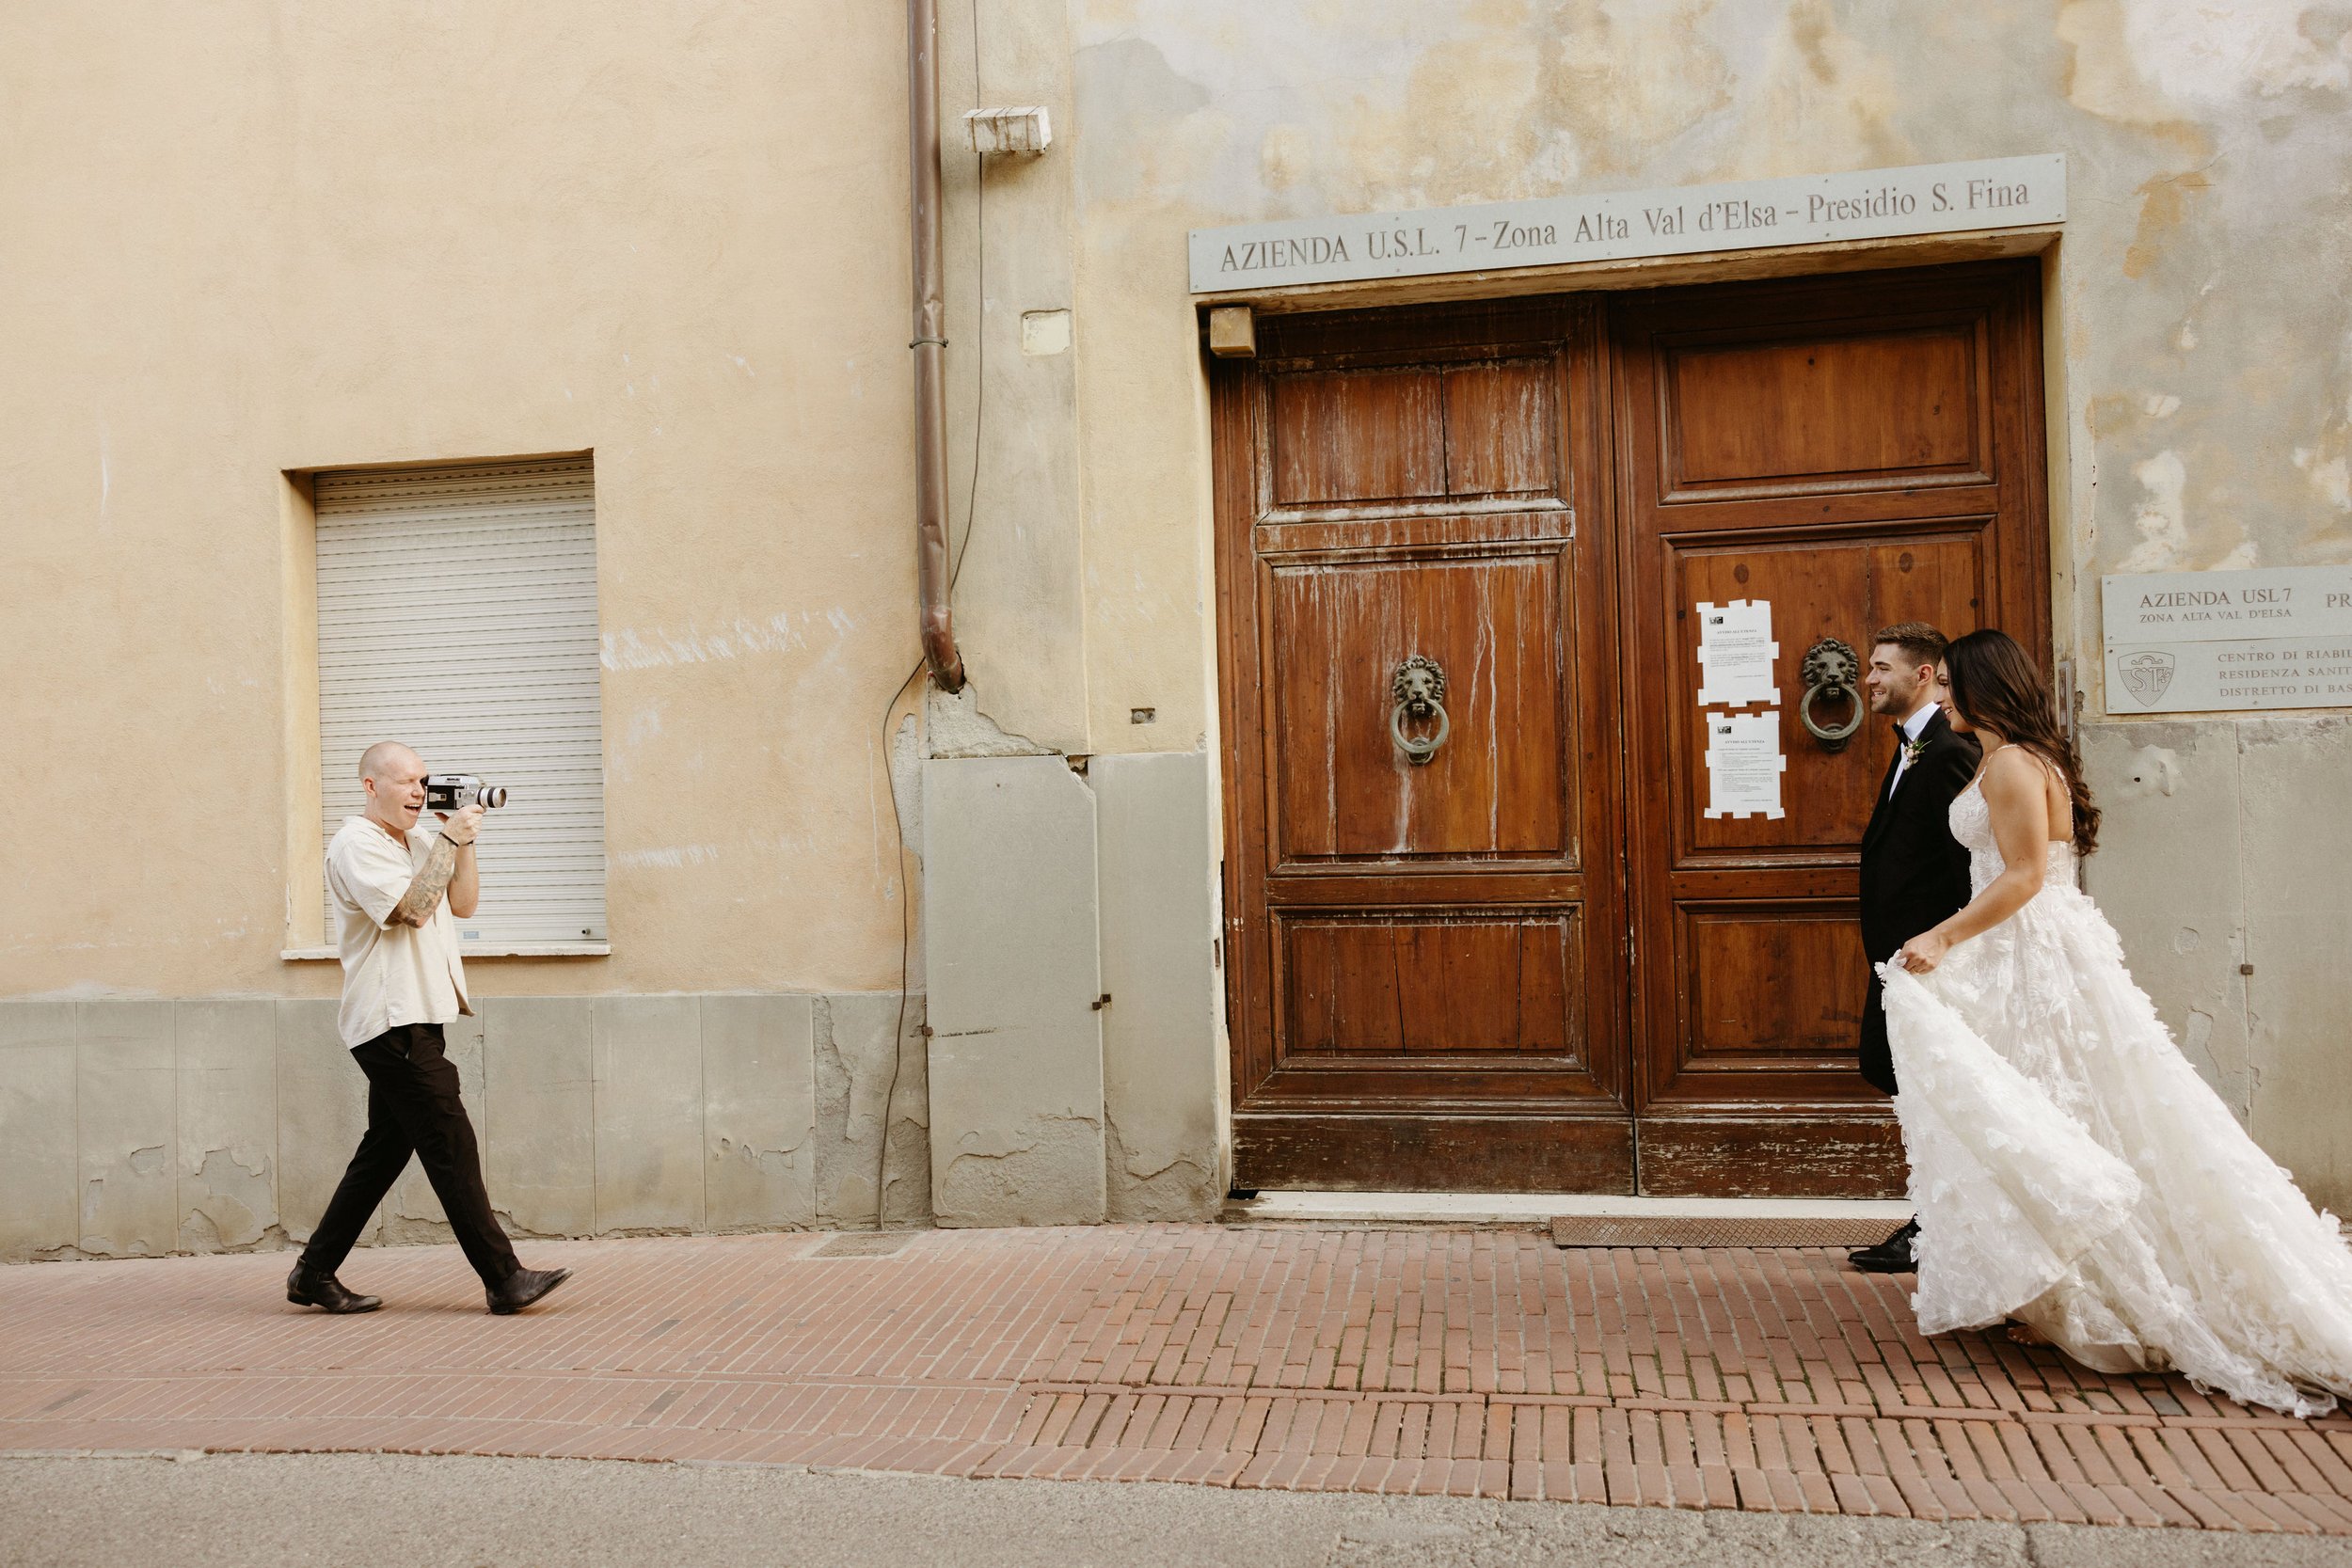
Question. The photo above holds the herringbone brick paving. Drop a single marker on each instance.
(1471, 1362)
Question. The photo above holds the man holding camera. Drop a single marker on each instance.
(398, 895)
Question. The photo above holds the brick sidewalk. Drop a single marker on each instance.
(1471, 1362)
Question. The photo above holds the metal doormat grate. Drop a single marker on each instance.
(1622, 1230)
(865, 1244)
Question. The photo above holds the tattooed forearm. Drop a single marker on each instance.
(424, 894)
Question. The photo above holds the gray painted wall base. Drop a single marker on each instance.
(1046, 892)
(2221, 868)
(135, 1128)
(1164, 1060)
(1014, 971)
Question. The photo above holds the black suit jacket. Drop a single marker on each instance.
(1914, 873)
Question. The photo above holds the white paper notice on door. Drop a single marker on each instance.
(1735, 654)
(1744, 764)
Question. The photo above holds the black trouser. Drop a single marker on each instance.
(413, 1108)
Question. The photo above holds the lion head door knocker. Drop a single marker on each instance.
(1420, 688)
(1830, 671)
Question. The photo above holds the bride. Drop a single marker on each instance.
(2070, 1168)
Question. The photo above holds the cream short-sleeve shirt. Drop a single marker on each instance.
(392, 975)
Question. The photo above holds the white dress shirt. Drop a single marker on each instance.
(1912, 727)
(392, 975)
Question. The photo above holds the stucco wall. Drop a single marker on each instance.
(265, 237)
(2198, 372)
(253, 237)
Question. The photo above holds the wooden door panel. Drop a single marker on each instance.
(1770, 985)
(1502, 424)
(1353, 436)
(1829, 409)
(1421, 960)
(1434, 983)
(1338, 629)
(1842, 588)
(1411, 434)
(1855, 453)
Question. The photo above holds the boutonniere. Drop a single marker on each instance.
(1913, 751)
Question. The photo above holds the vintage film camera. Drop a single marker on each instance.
(457, 791)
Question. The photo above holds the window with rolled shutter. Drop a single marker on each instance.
(457, 612)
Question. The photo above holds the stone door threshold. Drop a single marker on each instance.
(1537, 1211)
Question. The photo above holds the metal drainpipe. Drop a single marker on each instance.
(930, 347)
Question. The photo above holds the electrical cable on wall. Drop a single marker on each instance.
(955, 571)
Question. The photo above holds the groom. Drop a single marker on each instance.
(1914, 875)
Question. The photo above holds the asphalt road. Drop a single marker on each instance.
(394, 1511)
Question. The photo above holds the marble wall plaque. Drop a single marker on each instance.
(2228, 642)
(1750, 215)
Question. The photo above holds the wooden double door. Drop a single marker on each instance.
(1528, 957)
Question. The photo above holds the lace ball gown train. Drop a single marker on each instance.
(2072, 1170)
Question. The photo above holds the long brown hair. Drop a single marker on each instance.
(1996, 686)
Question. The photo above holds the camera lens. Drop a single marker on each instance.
(494, 794)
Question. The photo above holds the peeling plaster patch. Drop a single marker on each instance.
(669, 858)
(2156, 770)
(146, 1161)
(655, 647)
(853, 1088)
(2163, 207)
(1040, 1173)
(767, 1162)
(2163, 530)
(1826, 90)
(2198, 1046)
(2331, 479)
(955, 727)
(2162, 406)
(2187, 339)
(2239, 558)
(2201, 52)
(1142, 1188)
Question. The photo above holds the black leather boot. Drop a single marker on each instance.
(1891, 1255)
(523, 1287)
(326, 1292)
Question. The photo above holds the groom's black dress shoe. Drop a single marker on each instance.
(1891, 1255)
(326, 1292)
(522, 1288)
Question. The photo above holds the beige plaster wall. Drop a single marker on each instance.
(2199, 365)
(251, 238)
(2204, 289)
(245, 237)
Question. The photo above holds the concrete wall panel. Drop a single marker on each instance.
(227, 1121)
(1163, 1111)
(650, 1113)
(1014, 969)
(38, 1167)
(127, 1127)
(855, 1081)
(540, 1106)
(322, 1110)
(2181, 913)
(759, 1112)
(2297, 824)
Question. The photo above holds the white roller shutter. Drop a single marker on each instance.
(457, 612)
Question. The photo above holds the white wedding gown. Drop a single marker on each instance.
(2072, 1170)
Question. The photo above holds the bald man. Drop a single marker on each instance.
(398, 896)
